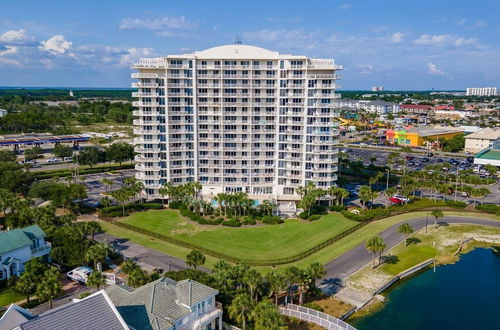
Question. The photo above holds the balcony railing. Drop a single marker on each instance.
(38, 250)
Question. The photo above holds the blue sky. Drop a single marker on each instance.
(416, 45)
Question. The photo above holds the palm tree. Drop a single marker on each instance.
(332, 192)
(91, 228)
(373, 159)
(374, 245)
(304, 282)
(268, 207)
(292, 275)
(107, 183)
(97, 253)
(96, 280)
(342, 193)
(121, 195)
(128, 266)
(50, 286)
(276, 282)
(195, 258)
(240, 308)
(316, 271)
(389, 193)
(57, 253)
(266, 316)
(406, 230)
(436, 214)
(252, 280)
(25, 285)
(365, 194)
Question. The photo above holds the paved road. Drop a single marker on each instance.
(345, 265)
(145, 257)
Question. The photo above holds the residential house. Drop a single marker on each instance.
(17, 246)
(95, 312)
(481, 140)
(167, 304)
(416, 109)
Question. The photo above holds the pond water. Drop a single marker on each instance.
(464, 295)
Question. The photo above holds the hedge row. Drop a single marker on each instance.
(490, 208)
(42, 175)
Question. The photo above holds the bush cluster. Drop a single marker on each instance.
(490, 208)
(233, 222)
(49, 174)
(314, 217)
(456, 204)
(117, 211)
(336, 208)
(272, 220)
(367, 215)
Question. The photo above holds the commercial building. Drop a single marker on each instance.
(481, 91)
(378, 107)
(17, 246)
(490, 155)
(236, 118)
(377, 89)
(416, 109)
(481, 140)
(420, 136)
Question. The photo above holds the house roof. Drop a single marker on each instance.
(416, 106)
(159, 304)
(14, 316)
(94, 312)
(19, 237)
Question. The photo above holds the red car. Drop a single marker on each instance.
(396, 200)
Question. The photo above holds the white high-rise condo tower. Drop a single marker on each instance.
(236, 118)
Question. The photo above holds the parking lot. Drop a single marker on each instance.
(96, 189)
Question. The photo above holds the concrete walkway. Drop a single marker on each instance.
(350, 262)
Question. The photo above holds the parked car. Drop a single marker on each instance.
(425, 159)
(404, 199)
(470, 159)
(440, 160)
(79, 274)
(465, 194)
(430, 154)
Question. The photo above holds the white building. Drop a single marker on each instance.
(3, 112)
(377, 89)
(17, 246)
(481, 140)
(236, 118)
(378, 107)
(481, 91)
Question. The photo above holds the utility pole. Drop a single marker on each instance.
(456, 185)
(387, 184)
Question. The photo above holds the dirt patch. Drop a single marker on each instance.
(333, 306)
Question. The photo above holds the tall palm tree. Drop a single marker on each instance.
(50, 286)
(107, 183)
(375, 245)
(96, 280)
(252, 280)
(405, 229)
(342, 194)
(276, 282)
(292, 276)
(332, 192)
(365, 194)
(266, 316)
(240, 309)
(316, 271)
(436, 214)
(25, 285)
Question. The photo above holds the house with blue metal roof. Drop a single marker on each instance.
(17, 246)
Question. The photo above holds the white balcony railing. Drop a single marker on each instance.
(41, 249)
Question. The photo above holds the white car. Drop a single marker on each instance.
(404, 199)
(79, 274)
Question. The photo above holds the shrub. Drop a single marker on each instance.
(232, 223)
(314, 217)
(117, 211)
(303, 215)
(249, 220)
(490, 208)
(175, 205)
(456, 204)
(314, 306)
(336, 208)
(272, 220)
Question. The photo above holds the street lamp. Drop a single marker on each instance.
(388, 173)
(426, 222)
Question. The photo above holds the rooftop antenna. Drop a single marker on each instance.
(238, 40)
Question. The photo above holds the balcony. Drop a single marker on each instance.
(144, 75)
(144, 104)
(41, 250)
(144, 85)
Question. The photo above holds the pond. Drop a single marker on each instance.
(464, 295)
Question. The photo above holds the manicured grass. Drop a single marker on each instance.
(8, 297)
(323, 256)
(253, 242)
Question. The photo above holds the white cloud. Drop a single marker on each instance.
(16, 37)
(162, 23)
(133, 54)
(446, 40)
(56, 45)
(397, 37)
(433, 69)
(345, 6)
(8, 50)
(478, 24)
(461, 21)
(9, 61)
(48, 64)
(365, 68)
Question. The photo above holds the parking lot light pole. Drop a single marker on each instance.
(388, 173)
(456, 185)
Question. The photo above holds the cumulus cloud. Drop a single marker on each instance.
(345, 6)
(446, 40)
(6, 50)
(133, 54)
(162, 23)
(433, 69)
(365, 68)
(397, 37)
(56, 45)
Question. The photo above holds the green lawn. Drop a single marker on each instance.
(8, 297)
(253, 242)
(325, 255)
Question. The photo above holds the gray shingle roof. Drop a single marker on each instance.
(92, 313)
(159, 304)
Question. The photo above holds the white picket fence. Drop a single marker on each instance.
(313, 316)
